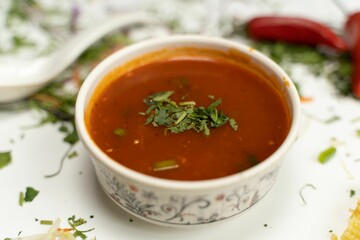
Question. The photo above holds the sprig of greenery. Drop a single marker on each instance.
(29, 195)
(336, 67)
(75, 224)
(5, 159)
(183, 116)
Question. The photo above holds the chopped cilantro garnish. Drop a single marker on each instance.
(165, 165)
(28, 196)
(46, 222)
(72, 138)
(5, 159)
(332, 119)
(119, 132)
(352, 192)
(72, 154)
(182, 116)
(75, 223)
(21, 198)
(358, 132)
(327, 154)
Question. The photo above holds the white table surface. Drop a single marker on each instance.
(36, 152)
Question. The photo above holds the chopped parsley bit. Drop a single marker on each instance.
(28, 196)
(46, 222)
(352, 192)
(327, 154)
(179, 117)
(21, 198)
(265, 225)
(119, 132)
(72, 154)
(165, 165)
(131, 220)
(5, 159)
(332, 119)
(75, 223)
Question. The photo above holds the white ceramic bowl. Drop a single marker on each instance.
(185, 203)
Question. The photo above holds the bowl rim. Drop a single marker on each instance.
(179, 185)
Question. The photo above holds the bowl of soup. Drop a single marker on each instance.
(187, 130)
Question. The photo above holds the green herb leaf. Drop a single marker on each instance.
(72, 138)
(5, 159)
(75, 223)
(352, 193)
(332, 119)
(183, 116)
(327, 154)
(46, 222)
(72, 154)
(119, 132)
(358, 132)
(165, 165)
(21, 198)
(30, 194)
(233, 124)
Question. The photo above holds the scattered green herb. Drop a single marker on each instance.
(252, 159)
(308, 185)
(332, 119)
(119, 132)
(72, 154)
(5, 159)
(352, 192)
(265, 225)
(75, 223)
(21, 198)
(327, 154)
(358, 132)
(30, 194)
(46, 222)
(179, 117)
(165, 165)
(337, 68)
(96, 51)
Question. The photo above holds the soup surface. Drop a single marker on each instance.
(120, 131)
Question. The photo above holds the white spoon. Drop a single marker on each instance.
(22, 79)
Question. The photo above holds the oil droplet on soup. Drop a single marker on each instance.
(259, 110)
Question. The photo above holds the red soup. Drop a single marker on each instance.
(189, 118)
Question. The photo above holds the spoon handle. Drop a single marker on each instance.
(80, 42)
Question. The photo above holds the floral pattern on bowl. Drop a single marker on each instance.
(183, 208)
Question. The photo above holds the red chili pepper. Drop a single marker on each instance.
(295, 30)
(352, 29)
